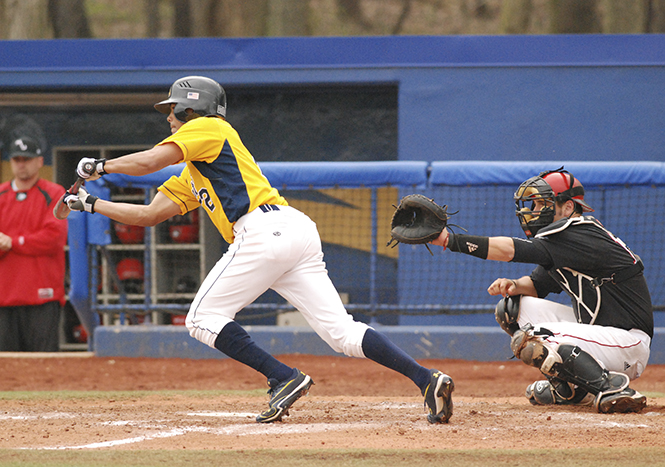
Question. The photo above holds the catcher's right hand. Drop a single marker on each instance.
(417, 220)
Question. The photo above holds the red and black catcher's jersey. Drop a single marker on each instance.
(579, 256)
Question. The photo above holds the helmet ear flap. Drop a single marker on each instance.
(189, 114)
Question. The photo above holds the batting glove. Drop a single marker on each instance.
(83, 201)
(90, 169)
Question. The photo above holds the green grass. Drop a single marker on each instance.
(602, 457)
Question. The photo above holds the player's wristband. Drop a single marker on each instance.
(90, 203)
(469, 244)
(99, 166)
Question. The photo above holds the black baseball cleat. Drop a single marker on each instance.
(628, 400)
(617, 397)
(283, 395)
(438, 397)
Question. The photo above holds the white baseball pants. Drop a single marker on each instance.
(617, 349)
(276, 247)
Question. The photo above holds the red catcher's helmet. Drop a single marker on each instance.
(550, 187)
(130, 268)
(566, 187)
(128, 234)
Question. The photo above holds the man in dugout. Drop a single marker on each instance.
(590, 351)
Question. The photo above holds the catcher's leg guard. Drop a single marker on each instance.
(570, 364)
(506, 313)
(540, 393)
(556, 391)
(610, 388)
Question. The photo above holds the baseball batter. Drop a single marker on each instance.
(590, 351)
(272, 245)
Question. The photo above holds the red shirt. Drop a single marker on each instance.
(33, 271)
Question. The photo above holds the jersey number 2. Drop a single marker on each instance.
(204, 199)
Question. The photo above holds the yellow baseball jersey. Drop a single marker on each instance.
(220, 174)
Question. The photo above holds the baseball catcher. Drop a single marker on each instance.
(590, 351)
(417, 220)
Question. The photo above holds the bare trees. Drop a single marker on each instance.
(638, 16)
(40, 19)
(585, 16)
(68, 19)
(25, 19)
(238, 18)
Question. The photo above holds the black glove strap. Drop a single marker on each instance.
(99, 166)
(469, 244)
(92, 200)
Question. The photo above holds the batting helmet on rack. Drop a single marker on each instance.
(194, 96)
(129, 234)
(130, 272)
(186, 230)
(130, 268)
(184, 233)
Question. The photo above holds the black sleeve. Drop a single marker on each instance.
(544, 283)
(527, 251)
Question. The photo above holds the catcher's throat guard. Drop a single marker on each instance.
(417, 220)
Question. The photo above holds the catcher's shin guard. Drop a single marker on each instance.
(610, 388)
(507, 312)
(573, 365)
(555, 391)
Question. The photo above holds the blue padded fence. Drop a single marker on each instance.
(412, 286)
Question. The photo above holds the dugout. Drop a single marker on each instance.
(593, 98)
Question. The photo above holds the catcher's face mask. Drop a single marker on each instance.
(535, 204)
(536, 198)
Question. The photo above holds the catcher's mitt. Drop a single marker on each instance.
(416, 220)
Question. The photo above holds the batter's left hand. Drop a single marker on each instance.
(83, 201)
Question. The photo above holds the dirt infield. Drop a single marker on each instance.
(211, 404)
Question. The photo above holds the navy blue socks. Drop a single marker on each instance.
(378, 348)
(234, 341)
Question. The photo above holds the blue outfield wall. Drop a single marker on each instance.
(547, 97)
(542, 99)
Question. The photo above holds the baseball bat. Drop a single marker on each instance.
(61, 210)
